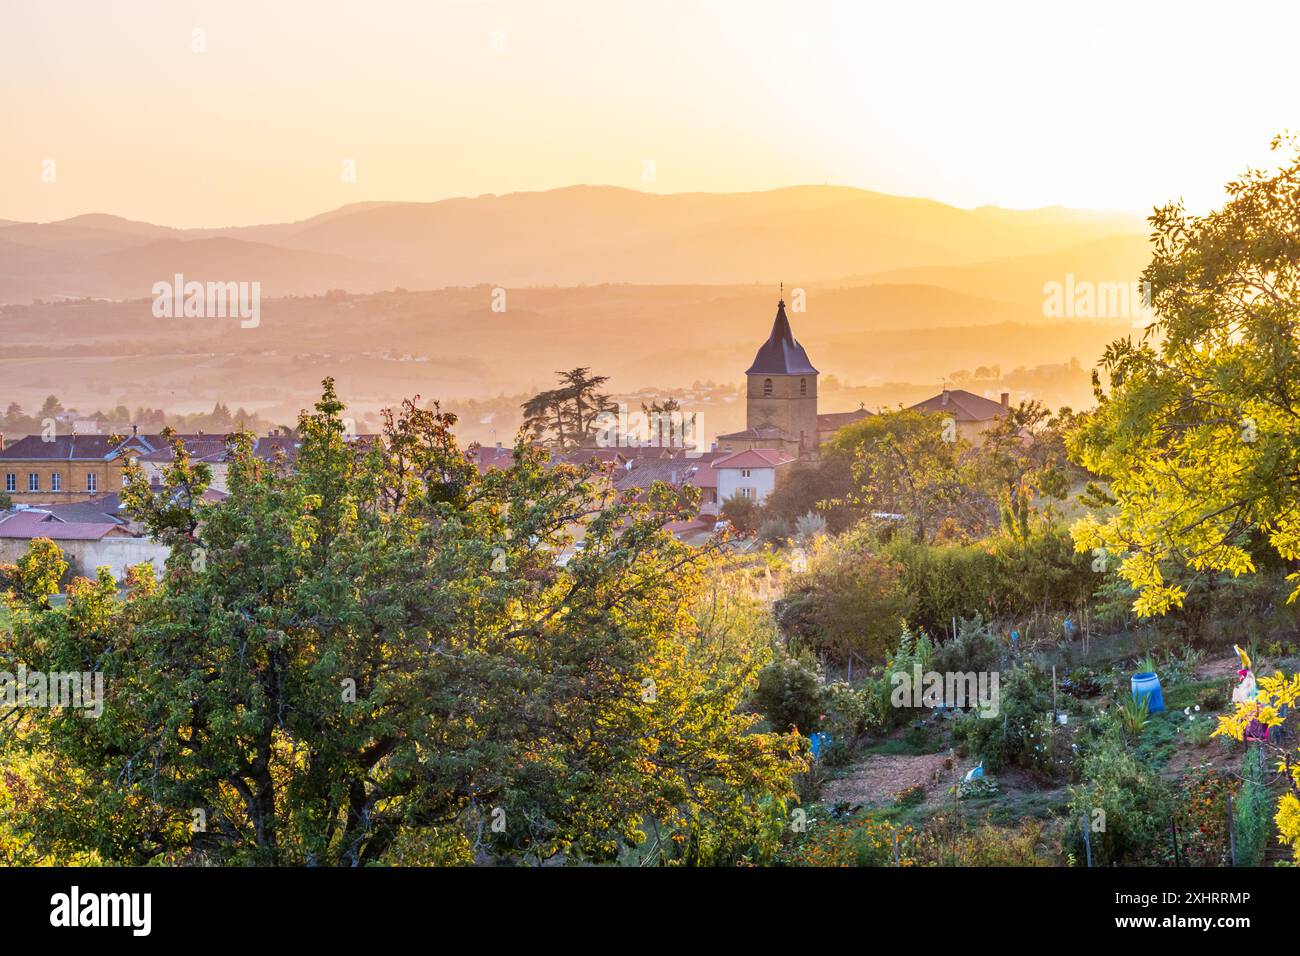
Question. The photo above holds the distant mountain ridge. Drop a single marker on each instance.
(567, 237)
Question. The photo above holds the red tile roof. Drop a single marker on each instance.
(840, 419)
(759, 433)
(963, 406)
(754, 458)
(38, 524)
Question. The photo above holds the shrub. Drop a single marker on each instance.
(1021, 734)
(1201, 810)
(789, 695)
(1134, 802)
(974, 649)
(1001, 578)
(948, 842)
(809, 527)
(774, 531)
(912, 796)
(853, 600)
(741, 512)
(846, 711)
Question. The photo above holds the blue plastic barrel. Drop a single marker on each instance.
(1147, 684)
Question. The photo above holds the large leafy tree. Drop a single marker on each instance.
(370, 655)
(1024, 465)
(913, 465)
(1197, 432)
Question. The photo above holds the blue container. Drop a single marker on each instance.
(1147, 685)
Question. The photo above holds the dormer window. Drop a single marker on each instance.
(767, 388)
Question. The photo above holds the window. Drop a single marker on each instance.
(744, 473)
(33, 481)
(745, 492)
(803, 386)
(56, 482)
(11, 482)
(92, 482)
(767, 388)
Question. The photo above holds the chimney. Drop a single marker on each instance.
(135, 430)
(945, 396)
(498, 444)
(1006, 399)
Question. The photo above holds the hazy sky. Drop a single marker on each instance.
(1115, 105)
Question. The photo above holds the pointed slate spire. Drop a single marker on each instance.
(781, 354)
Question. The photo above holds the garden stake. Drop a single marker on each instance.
(1232, 833)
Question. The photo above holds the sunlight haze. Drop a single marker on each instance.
(1113, 106)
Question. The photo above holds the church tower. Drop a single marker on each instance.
(781, 400)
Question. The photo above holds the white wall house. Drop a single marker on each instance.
(750, 474)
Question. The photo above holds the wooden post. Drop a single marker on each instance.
(1087, 839)
(1053, 701)
(1232, 833)
(1173, 832)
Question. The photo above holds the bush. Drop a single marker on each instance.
(809, 527)
(822, 487)
(741, 512)
(846, 711)
(1021, 734)
(774, 531)
(912, 796)
(944, 842)
(1001, 578)
(974, 649)
(1134, 803)
(789, 695)
(852, 600)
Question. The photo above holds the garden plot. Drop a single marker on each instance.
(877, 779)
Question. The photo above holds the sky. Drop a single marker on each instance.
(231, 112)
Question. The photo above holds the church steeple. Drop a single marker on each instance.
(781, 354)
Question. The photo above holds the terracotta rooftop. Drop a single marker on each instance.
(963, 406)
(760, 433)
(40, 524)
(840, 419)
(754, 458)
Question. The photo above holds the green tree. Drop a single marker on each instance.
(373, 656)
(1197, 434)
(910, 464)
(568, 416)
(1023, 463)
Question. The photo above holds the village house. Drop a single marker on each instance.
(62, 469)
(973, 414)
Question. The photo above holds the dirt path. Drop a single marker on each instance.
(876, 780)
